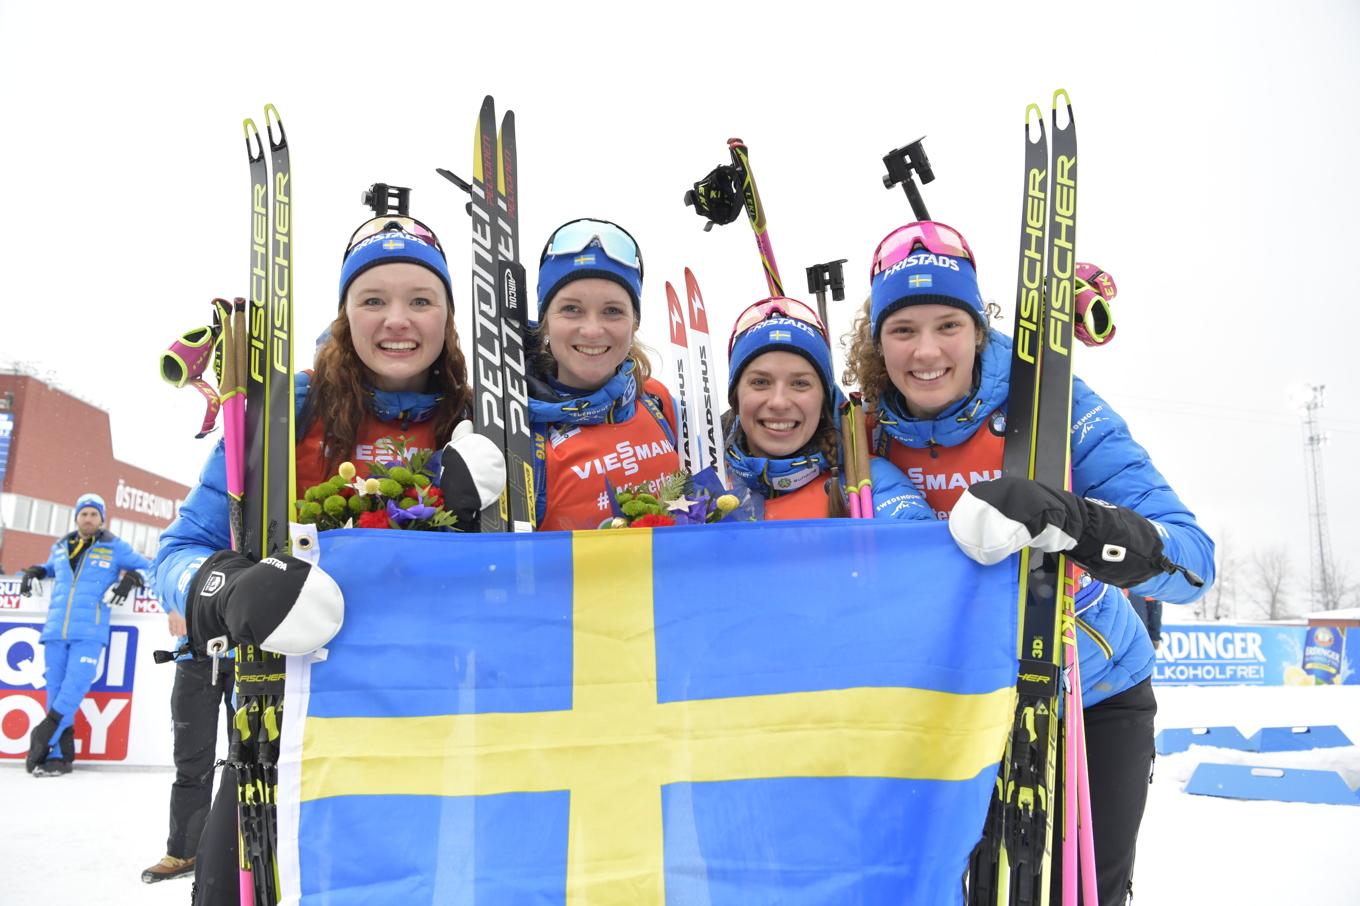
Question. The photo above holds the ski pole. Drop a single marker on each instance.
(901, 163)
(715, 199)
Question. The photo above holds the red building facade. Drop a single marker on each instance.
(53, 447)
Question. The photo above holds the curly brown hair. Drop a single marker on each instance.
(339, 394)
(864, 366)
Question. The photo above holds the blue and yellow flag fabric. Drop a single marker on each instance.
(782, 712)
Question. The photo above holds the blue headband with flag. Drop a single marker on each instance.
(782, 334)
(390, 246)
(556, 271)
(926, 278)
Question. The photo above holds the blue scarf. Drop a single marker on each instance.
(960, 419)
(404, 406)
(771, 476)
(552, 403)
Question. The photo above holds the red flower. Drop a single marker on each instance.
(347, 492)
(377, 519)
(413, 493)
(651, 520)
(434, 498)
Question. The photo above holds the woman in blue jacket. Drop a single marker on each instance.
(86, 564)
(938, 380)
(390, 368)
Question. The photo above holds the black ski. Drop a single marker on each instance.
(488, 368)
(270, 477)
(519, 453)
(1012, 862)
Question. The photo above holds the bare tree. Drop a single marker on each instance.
(1221, 601)
(1270, 574)
(1345, 590)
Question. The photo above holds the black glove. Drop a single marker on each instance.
(994, 519)
(472, 476)
(131, 581)
(31, 573)
(280, 604)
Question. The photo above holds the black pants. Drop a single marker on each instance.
(1119, 753)
(194, 705)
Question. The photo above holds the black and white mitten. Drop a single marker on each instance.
(994, 519)
(473, 475)
(280, 604)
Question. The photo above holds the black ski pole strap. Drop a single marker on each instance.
(717, 197)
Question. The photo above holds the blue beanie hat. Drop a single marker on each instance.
(926, 278)
(782, 334)
(387, 247)
(90, 500)
(557, 271)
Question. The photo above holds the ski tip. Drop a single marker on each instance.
(1061, 93)
(254, 145)
(1034, 124)
(273, 121)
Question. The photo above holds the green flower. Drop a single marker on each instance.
(336, 506)
(389, 487)
(402, 475)
(422, 481)
(357, 505)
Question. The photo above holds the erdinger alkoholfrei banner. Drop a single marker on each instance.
(1226, 654)
(791, 712)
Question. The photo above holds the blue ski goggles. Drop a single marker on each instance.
(576, 236)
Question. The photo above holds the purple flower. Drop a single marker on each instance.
(410, 514)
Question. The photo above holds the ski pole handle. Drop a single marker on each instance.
(755, 212)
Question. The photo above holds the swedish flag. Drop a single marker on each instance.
(785, 712)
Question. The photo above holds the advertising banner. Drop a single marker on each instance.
(1226, 654)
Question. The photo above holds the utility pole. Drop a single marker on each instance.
(1319, 539)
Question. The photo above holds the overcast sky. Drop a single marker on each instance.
(1218, 148)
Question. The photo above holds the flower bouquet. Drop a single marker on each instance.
(399, 494)
(681, 499)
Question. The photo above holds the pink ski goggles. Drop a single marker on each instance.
(935, 237)
(386, 223)
(776, 306)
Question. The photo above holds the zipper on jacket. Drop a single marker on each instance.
(66, 624)
(1099, 639)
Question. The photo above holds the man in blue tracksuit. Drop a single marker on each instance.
(93, 570)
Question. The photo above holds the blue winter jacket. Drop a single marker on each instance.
(77, 611)
(1107, 464)
(202, 527)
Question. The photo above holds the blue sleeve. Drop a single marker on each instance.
(127, 558)
(198, 531)
(895, 497)
(1109, 465)
(50, 567)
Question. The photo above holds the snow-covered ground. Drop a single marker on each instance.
(84, 839)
